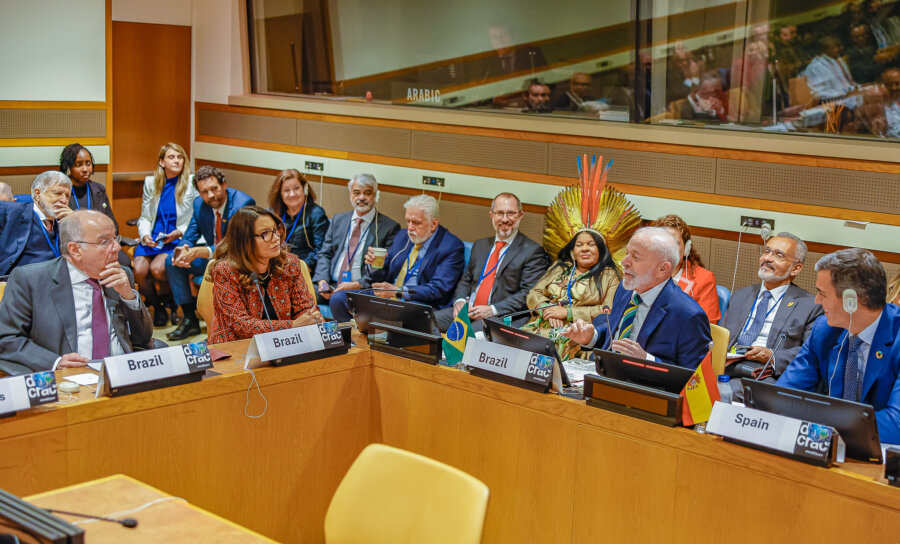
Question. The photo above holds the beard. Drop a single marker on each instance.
(632, 282)
(416, 239)
(48, 210)
(770, 275)
(362, 207)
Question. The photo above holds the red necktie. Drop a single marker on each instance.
(218, 227)
(99, 324)
(351, 247)
(48, 224)
(483, 295)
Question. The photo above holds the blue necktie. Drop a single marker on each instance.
(851, 370)
(762, 308)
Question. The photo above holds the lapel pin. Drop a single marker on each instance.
(879, 354)
(791, 303)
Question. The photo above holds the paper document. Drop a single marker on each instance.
(86, 378)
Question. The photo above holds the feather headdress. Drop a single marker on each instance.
(591, 205)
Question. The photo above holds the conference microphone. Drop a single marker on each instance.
(609, 332)
(539, 308)
(131, 523)
(254, 277)
(781, 338)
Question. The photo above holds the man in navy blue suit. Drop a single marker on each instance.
(212, 210)
(423, 263)
(853, 355)
(651, 318)
(28, 230)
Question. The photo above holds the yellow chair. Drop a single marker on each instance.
(720, 345)
(391, 496)
(2, 288)
(205, 295)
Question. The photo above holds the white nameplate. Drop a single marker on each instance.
(794, 437)
(23, 392)
(271, 346)
(513, 362)
(152, 365)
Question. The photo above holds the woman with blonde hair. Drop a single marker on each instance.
(166, 210)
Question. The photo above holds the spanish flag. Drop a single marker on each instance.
(699, 394)
(458, 334)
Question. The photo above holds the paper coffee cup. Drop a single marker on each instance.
(380, 254)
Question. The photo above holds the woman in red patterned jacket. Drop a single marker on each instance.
(254, 249)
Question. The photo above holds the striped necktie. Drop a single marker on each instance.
(409, 263)
(627, 323)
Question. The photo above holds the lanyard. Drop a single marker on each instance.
(358, 244)
(415, 267)
(53, 247)
(299, 215)
(485, 273)
(75, 198)
(573, 280)
(756, 305)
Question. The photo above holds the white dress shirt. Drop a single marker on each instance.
(503, 252)
(356, 265)
(777, 297)
(648, 297)
(828, 77)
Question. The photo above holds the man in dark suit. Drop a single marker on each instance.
(212, 210)
(652, 318)
(758, 315)
(341, 259)
(423, 264)
(501, 270)
(854, 356)
(28, 230)
(64, 312)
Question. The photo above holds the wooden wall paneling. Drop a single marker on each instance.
(151, 92)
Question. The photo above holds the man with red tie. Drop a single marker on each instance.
(501, 270)
(212, 210)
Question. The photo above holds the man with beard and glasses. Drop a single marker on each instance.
(758, 314)
(651, 317)
(340, 264)
(423, 264)
(28, 230)
(501, 270)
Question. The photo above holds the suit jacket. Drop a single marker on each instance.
(203, 221)
(675, 331)
(522, 266)
(334, 241)
(37, 318)
(184, 208)
(99, 201)
(15, 227)
(440, 269)
(818, 368)
(796, 315)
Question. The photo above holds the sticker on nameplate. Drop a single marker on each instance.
(285, 343)
(152, 365)
(512, 362)
(26, 391)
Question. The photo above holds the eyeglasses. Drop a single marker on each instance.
(778, 254)
(267, 235)
(505, 214)
(106, 244)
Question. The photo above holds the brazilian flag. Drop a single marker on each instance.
(458, 334)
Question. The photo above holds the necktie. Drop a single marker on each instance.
(410, 262)
(48, 224)
(483, 295)
(351, 246)
(99, 325)
(851, 370)
(627, 323)
(762, 308)
(218, 227)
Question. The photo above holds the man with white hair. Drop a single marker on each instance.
(651, 318)
(6, 193)
(423, 264)
(350, 235)
(28, 230)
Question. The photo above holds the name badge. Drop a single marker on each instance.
(24, 392)
(277, 346)
(346, 276)
(512, 362)
(809, 442)
(152, 365)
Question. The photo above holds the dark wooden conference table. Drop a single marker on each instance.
(558, 470)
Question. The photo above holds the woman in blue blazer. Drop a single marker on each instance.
(293, 200)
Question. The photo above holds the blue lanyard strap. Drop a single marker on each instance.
(53, 247)
(299, 216)
(756, 306)
(484, 272)
(572, 281)
(75, 198)
(415, 266)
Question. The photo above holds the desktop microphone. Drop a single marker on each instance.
(131, 523)
(539, 308)
(781, 338)
(254, 277)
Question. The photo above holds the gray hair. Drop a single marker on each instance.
(49, 179)
(662, 242)
(507, 195)
(71, 227)
(801, 245)
(6, 191)
(363, 180)
(426, 203)
(857, 269)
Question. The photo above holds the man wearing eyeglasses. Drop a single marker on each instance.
(759, 314)
(501, 270)
(78, 307)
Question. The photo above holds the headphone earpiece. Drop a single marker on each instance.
(687, 249)
(377, 195)
(850, 301)
(306, 189)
